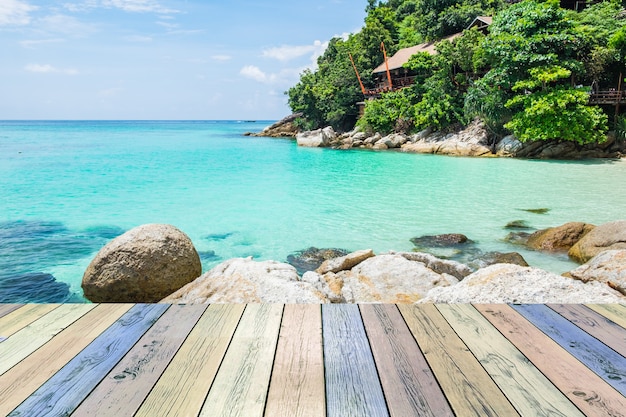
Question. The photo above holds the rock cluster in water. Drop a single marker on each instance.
(394, 277)
(472, 140)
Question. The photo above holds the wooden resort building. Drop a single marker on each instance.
(391, 75)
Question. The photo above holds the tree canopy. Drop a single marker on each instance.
(530, 74)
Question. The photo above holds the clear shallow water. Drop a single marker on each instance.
(66, 188)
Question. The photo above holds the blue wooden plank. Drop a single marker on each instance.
(62, 393)
(601, 359)
(352, 384)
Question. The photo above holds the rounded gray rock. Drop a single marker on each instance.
(144, 264)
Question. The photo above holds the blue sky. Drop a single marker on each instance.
(161, 59)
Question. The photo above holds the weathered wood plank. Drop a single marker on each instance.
(129, 382)
(297, 384)
(584, 388)
(409, 385)
(352, 384)
(595, 324)
(466, 384)
(33, 336)
(62, 393)
(614, 312)
(22, 317)
(181, 390)
(24, 378)
(240, 386)
(603, 360)
(530, 392)
(7, 308)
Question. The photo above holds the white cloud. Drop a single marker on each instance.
(138, 38)
(289, 52)
(49, 69)
(15, 12)
(255, 73)
(110, 92)
(68, 25)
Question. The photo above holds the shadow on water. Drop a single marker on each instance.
(29, 248)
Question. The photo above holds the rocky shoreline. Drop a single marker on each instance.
(471, 140)
(123, 272)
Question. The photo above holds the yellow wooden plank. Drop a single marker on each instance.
(24, 378)
(240, 386)
(182, 388)
(297, 386)
(530, 392)
(22, 317)
(466, 384)
(614, 312)
(31, 337)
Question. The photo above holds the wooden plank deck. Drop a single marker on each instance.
(310, 360)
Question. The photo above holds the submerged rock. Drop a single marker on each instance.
(440, 241)
(242, 280)
(608, 267)
(560, 238)
(37, 287)
(503, 283)
(604, 237)
(517, 224)
(144, 264)
(492, 258)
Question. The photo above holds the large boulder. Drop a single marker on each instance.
(285, 128)
(343, 263)
(144, 264)
(608, 267)
(604, 237)
(319, 138)
(560, 238)
(243, 280)
(506, 283)
(471, 141)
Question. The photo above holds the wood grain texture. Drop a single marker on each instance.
(468, 387)
(530, 392)
(409, 385)
(595, 324)
(240, 386)
(62, 393)
(7, 308)
(24, 378)
(129, 382)
(614, 312)
(585, 389)
(33, 336)
(352, 384)
(601, 359)
(22, 317)
(181, 390)
(297, 384)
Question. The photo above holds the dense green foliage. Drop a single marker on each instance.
(530, 74)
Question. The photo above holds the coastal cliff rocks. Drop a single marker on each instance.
(144, 264)
(319, 138)
(505, 283)
(310, 259)
(285, 128)
(608, 267)
(560, 238)
(604, 237)
(243, 280)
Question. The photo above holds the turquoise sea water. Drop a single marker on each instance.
(67, 188)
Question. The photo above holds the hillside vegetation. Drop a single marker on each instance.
(529, 75)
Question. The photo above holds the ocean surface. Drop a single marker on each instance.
(69, 187)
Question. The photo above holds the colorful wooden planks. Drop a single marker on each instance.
(598, 357)
(62, 393)
(583, 387)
